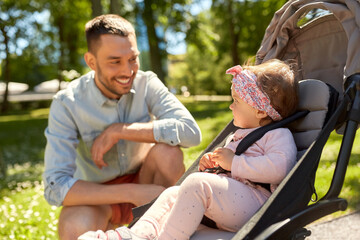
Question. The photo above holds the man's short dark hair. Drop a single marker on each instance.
(106, 24)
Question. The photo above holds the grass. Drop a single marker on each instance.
(24, 214)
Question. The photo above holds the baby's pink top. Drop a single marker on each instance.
(268, 160)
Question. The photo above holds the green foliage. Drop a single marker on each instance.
(211, 117)
(229, 33)
(35, 44)
(197, 72)
(67, 34)
(16, 25)
(54, 35)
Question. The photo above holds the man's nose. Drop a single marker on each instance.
(126, 70)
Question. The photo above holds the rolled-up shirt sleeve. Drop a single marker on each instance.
(60, 154)
(173, 123)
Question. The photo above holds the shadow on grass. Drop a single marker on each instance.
(353, 184)
(22, 144)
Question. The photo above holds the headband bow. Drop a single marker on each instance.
(244, 84)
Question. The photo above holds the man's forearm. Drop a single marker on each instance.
(89, 193)
(138, 132)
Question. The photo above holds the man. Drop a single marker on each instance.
(110, 129)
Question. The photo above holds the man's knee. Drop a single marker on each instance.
(171, 159)
(166, 161)
(165, 156)
(76, 220)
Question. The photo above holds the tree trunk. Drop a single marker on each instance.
(5, 102)
(155, 54)
(233, 35)
(96, 8)
(59, 23)
(115, 7)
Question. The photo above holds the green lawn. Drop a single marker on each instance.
(24, 214)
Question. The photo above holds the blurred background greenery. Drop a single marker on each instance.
(188, 43)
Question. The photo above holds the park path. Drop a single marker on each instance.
(343, 228)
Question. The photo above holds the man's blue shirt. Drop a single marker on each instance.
(79, 113)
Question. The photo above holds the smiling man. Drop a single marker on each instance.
(114, 135)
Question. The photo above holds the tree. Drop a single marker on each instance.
(96, 8)
(153, 40)
(6, 71)
(15, 25)
(229, 33)
(68, 19)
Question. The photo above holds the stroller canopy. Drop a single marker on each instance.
(329, 50)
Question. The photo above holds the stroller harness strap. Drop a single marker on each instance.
(252, 137)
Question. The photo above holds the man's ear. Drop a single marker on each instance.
(261, 114)
(90, 60)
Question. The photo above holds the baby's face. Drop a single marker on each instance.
(244, 115)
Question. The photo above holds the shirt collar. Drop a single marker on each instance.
(99, 97)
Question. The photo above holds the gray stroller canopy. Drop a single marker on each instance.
(328, 50)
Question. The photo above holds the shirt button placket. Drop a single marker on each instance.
(121, 144)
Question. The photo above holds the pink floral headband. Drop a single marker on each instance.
(244, 84)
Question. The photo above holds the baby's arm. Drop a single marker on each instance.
(269, 159)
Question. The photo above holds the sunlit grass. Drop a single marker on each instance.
(351, 188)
(24, 213)
(211, 117)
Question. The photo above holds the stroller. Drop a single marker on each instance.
(325, 49)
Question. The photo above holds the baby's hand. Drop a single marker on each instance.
(206, 162)
(224, 157)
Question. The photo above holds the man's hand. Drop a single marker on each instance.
(137, 132)
(224, 157)
(102, 144)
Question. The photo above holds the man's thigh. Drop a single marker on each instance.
(76, 220)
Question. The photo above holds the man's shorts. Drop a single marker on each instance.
(121, 213)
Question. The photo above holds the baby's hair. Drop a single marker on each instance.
(106, 24)
(276, 79)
